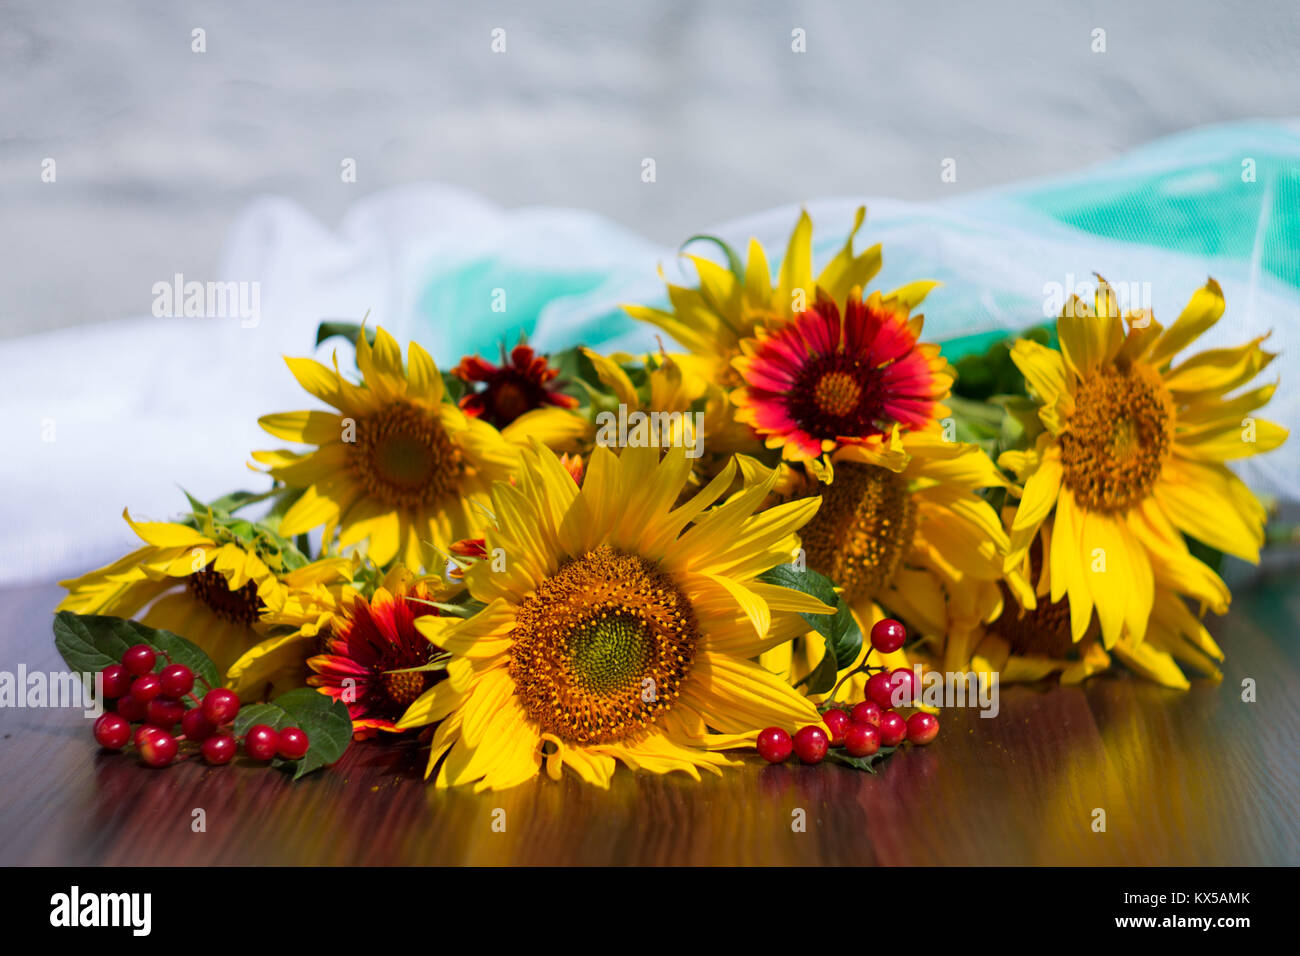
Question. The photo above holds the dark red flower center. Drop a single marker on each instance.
(838, 394)
(403, 687)
(511, 395)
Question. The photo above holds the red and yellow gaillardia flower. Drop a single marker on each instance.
(368, 650)
(1132, 458)
(349, 636)
(732, 304)
(523, 382)
(620, 629)
(804, 362)
(824, 379)
(396, 465)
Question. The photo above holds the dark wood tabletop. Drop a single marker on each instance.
(1184, 778)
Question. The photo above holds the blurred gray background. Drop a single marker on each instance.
(157, 148)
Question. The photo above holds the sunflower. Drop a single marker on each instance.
(1026, 644)
(902, 529)
(367, 652)
(904, 526)
(821, 380)
(397, 464)
(211, 586)
(295, 628)
(733, 303)
(1131, 459)
(615, 632)
(522, 382)
(677, 395)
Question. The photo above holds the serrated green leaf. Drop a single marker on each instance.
(859, 763)
(90, 642)
(821, 678)
(325, 721)
(841, 631)
(250, 715)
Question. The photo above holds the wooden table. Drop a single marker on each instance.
(1185, 778)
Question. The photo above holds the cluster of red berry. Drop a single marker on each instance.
(870, 724)
(157, 702)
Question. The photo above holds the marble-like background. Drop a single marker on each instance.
(159, 148)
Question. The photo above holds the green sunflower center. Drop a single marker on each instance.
(609, 652)
(404, 458)
(1116, 442)
(602, 647)
(863, 530)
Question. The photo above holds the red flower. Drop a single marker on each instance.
(376, 638)
(521, 383)
(575, 466)
(818, 381)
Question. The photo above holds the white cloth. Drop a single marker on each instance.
(126, 413)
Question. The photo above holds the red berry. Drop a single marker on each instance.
(902, 686)
(879, 690)
(836, 721)
(260, 742)
(888, 635)
(293, 743)
(866, 712)
(220, 705)
(861, 740)
(112, 731)
(774, 745)
(164, 712)
(219, 749)
(139, 659)
(131, 708)
(811, 744)
(117, 681)
(146, 688)
(196, 726)
(158, 749)
(177, 680)
(144, 732)
(893, 729)
(922, 727)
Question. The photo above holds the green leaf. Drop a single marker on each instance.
(324, 720)
(804, 581)
(734, 265)
(578, 375)
(454, 387)
(841, 631)
(821, 679)
(859, 763)
(229, 504)
(1209, 556)
(250, 715)
(90, 642)
(331, 328)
